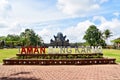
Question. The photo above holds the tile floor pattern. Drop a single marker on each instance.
(62, 72)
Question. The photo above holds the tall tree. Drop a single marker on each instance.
(30, 38)
(93, 36)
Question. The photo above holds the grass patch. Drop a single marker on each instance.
(110, 53)
(7, 53)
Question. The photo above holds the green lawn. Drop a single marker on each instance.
(8, 53)
(112, 53)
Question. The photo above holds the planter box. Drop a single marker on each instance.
(57, 56)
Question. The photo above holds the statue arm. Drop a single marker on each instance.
(51, 40)
(64, 37)
(55, 37)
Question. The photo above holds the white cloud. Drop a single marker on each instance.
(102, 1)
(5, 25)
(107, 24)
(73, 33)
(5, 9)
(113, 25)
(73, 7)
(117, 14)
(22, 12)
(99, 18)
(48, 32)
(46, 35)
(76, 33)
(9, 28)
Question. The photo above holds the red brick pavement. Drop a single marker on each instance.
(84, 72)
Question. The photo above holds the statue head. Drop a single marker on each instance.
(59, 36)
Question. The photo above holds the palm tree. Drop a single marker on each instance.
(107, 34)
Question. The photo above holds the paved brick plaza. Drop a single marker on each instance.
(85, 72)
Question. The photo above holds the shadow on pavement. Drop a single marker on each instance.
(18, 78)
(20, 73)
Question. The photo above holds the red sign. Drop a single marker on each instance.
(33, 50)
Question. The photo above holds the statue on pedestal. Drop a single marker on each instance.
(59, 41)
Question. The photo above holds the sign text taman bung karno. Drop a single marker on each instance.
(60, 50)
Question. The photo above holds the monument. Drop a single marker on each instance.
(62, 55)
(59, 41)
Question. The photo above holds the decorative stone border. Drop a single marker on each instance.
(58, 62)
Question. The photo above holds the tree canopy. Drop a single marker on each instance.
(93, 36)
(107, 34)
(30, 38)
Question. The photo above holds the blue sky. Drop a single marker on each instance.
(71, 17)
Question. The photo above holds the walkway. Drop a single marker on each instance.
(84, 72)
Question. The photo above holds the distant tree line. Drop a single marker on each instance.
(93, 37)
(26, 38)
(116, 43)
